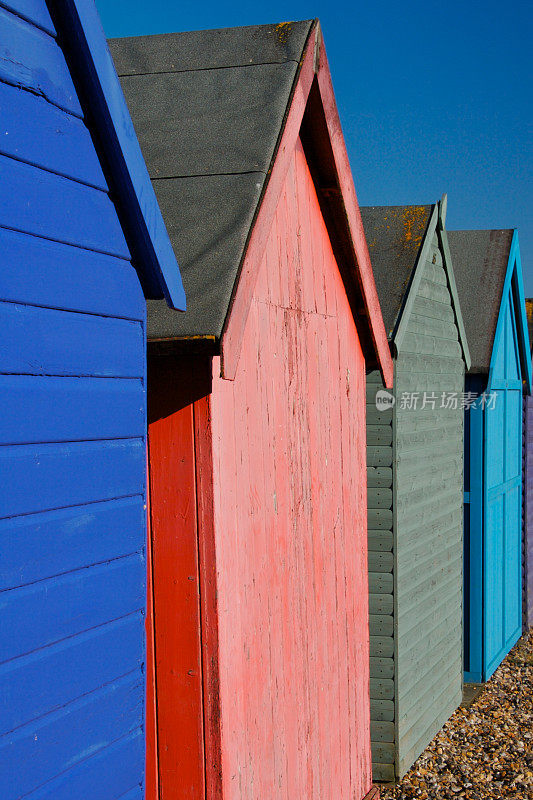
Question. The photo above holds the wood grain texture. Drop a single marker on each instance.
(429, 448)
(72, 443)
(31, 59)
(289, 536)
(174, 384)
(415, 528)
(34, 11)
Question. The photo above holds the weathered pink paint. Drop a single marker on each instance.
(289, 514)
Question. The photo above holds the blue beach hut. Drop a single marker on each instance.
(82, 245)
(489, 282)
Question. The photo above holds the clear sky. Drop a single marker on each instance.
(433, 96)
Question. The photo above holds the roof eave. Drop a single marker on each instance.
(153, 256)
(443, 240)
(402, 321)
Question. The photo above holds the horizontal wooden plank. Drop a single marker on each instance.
(434, 689)
(381, 731)
(409, 478)
(423, 440)
(378, 477)
(382, 667)
(381, 689)
(409, 667)
(413, 555)
(383, 751)
(379, 519)
(380, 562)
(55, 140)
(418, 461)
(383, 772)
(380, 603)
(379, 435)
(106, 775)
(430, 365)
(91, 408)
(63, 475)
(37, 615)
(68, 343)
(59, 209)
(422, 586)
(438, 520)
(32, 271)
(409, 422)
(375, 417)
(424, 307)
(434, 291)
(381, 624)
(38, 546)
(430, 707)
(449, 496)
(380, 541)
(60, 740)
(374, 378)
(435, 272)
(380, 583)
(379, 456)
(30, 685)
(429, 616)
(379, 498)
(450, 583)
(410, 382)
(407, 756)
(34, 11)
(382, 710)
(449, 629)
(381, 646)
(33, 60)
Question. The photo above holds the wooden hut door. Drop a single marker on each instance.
(175, 749)
(503, 501)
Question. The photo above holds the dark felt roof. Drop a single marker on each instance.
(529, 314)
(394, 235)
(208, 108)
(480, 260)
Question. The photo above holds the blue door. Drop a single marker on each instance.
(502, 591)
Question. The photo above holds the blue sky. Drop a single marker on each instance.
(433, 97)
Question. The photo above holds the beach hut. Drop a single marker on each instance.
(256, 417)
(489, 282)
(415, 500)
(82, 243)
(527, 492)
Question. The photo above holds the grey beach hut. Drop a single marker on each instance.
(415, 487)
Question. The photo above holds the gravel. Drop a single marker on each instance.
(485, 750)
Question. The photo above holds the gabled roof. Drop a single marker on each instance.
(394, 235)
(398, 240)
(90, 62)
(217, 114)
(480, 261)
(208, 108)
(488, 269)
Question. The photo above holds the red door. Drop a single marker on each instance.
(175, 747)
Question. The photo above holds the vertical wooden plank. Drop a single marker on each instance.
(173, 385)
(208, 590)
